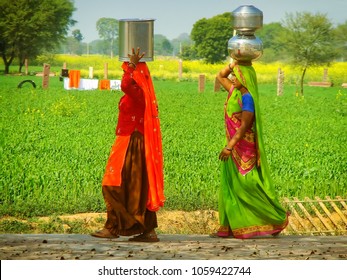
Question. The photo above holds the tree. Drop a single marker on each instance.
(308, 41)
(72, 46)
(269, 33)
(74, 42)
(340, 33)
(77, 35)
(108, 30)
(211, 37)
(188, 53)
(182, 41)
(102, 47)
(28, 27)
(162, 45)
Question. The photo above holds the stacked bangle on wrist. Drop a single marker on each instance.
(231, 69)
(132, 64)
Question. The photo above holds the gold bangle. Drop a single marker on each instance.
(227, 148)
(231, 69)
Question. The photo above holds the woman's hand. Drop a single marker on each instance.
(224, 154)
(233, 64)
(135, 57)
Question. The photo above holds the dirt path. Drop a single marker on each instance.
(179, 247)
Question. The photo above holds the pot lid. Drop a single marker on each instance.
(247, 9)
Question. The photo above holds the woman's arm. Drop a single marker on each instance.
(128, 85)
(246, 123)
(223, 75)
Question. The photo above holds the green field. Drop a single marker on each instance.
(54, 144)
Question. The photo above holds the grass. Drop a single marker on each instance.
(54, 144)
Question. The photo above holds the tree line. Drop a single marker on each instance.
(32, 27)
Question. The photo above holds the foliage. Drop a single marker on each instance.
(273, 50)
(28, 27)
(180, 42)
(54, 144)
(162, 45)
(72, 46)
(108, 30)
(77, 35)
(308, 40)
(167, 68)
(211, 37)
(103, 47)
(188, 53)
(340, 33)
(14, 226)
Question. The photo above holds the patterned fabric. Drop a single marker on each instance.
(131, 106)
(244, 153)
(153, 139)
(115, 163)
(138, 86)
(247, 199)
(127, 213)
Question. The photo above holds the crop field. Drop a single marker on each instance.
(167, 68)
(54, 143)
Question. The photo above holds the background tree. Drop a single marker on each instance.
(308, 40)
(273, 50)
(77, 35)
(162, 45)
(180, 42)
(29, 27)
(100, 47)
(188, 52)
(108, 30)
(73, 44)
(340, 33)
(211, 37)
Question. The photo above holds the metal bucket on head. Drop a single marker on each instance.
(134, 33)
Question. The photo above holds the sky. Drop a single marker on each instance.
(174, 17)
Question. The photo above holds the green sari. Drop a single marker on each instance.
(248, 205)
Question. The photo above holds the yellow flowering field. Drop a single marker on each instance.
(168, 68)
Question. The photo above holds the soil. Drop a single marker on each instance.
(183, 236)
(169, 222)
(180, 222)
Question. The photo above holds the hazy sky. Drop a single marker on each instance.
(175, 17)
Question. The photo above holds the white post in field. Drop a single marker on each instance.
(91, 72)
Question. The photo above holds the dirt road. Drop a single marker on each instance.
(170, 247)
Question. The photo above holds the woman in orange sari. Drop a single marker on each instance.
(133, 181)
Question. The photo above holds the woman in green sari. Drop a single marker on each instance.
(248, 205)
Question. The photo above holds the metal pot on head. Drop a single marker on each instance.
(134, 33)
(247, 19)
(245, 48)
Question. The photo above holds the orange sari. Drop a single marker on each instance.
(153, 144)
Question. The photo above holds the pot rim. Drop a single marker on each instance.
(137, 19)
